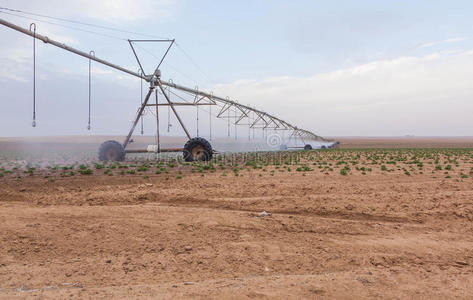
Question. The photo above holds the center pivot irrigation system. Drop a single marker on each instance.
(196, 148)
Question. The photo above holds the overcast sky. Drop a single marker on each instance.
(338, 68)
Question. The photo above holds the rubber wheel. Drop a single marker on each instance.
(283, 147)
(197, 149)
(323, 147)
(111, 151)
(307, 147)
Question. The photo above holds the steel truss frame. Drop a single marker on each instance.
(242, 112)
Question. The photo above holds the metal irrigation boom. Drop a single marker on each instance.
(195, 148)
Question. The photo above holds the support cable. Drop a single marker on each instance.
(92, 52)
(33, 25)
(249, 130)
(168, 64)
(235, 123)
(197, 110)
(251, 123)
(210, 118)
(65, 26)
(169, 108)
(227, 102)
(169, 118)
(158, 139)
(194, 62)
(77, 22)
(141, 101)
(203, 109)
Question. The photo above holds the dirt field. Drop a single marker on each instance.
(405, 142)
(343, 224)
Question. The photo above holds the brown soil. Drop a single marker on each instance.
(405, 142)
(379, 235)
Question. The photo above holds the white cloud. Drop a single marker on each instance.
(454, 40)
(125, 10)
(426, 45)
(122, 11)
(97, 70)
(16, 55)
(427, 95)
(450, 40)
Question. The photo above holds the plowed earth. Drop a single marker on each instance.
(379, 234)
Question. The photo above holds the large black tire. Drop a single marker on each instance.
(308, 147)
(111, 151)
(197, 149)
(283, 147)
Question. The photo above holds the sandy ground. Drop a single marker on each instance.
(405, 142)
(379, 235)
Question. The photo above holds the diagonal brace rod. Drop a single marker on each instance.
(138, 115)
(174, 110)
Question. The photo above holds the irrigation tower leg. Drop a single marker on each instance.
(138, 115)
(158, 142)
(174, 110)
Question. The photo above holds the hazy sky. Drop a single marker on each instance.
(338, 68)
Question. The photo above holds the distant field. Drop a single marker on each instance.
(90, 144)
(405, 142)
(70, 149)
